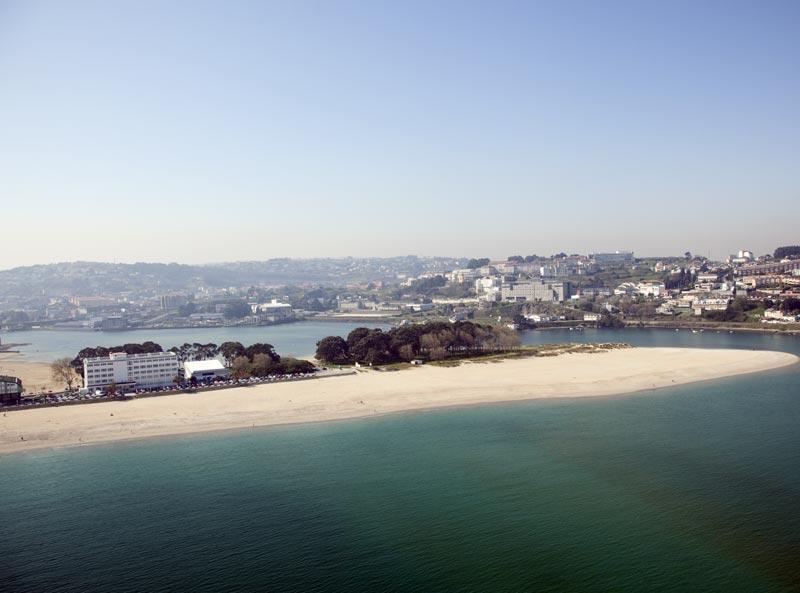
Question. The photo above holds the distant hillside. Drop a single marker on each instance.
(90, 278)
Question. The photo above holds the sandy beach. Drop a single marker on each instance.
(372, 393)
(36, 376)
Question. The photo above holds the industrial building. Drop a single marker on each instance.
(204, 370)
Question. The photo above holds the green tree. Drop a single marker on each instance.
(231, 350)
(333, 350)
(477, 263)
(787, 251)
(373, 348)
(355, 336)
(236, 310)
(260, 348)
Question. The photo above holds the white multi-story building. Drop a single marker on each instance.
(654, 289)
(699, 306)
(535, 290)
(273, 310)
(488, 289)
(464, 275)
(157, 369)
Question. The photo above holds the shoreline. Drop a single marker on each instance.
(375, 393)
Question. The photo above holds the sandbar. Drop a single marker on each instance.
(374, 393)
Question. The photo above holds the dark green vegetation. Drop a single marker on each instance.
(478, 263)
(787, 251)
(520, 260)
(260, 360)
(790, 305)
(262, 365)
(429, 341)
(236, 310)
(98, 351)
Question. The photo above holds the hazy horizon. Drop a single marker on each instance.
(211, 132)
(349, 256)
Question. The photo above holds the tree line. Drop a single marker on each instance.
(429, 341)
(102, 351)
(787, 251)
(256, 360)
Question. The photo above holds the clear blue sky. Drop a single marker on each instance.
(211, 131)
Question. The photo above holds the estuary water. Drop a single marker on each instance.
(688, 489)
(290, 339)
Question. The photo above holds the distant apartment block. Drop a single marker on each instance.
(558, 270)
(110, 322)
(701, 305)
(465, 275)
(92, 302)
(207, 317)
(157, 369)
(172, 300)
(781, 267)
(535, 290)
(593, 291)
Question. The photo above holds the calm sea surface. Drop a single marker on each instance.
(689, 489)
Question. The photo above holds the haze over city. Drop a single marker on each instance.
(204, 132)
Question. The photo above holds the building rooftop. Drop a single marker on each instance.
(124, 355)
(194, 366)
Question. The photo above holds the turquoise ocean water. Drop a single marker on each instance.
(695, 489)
